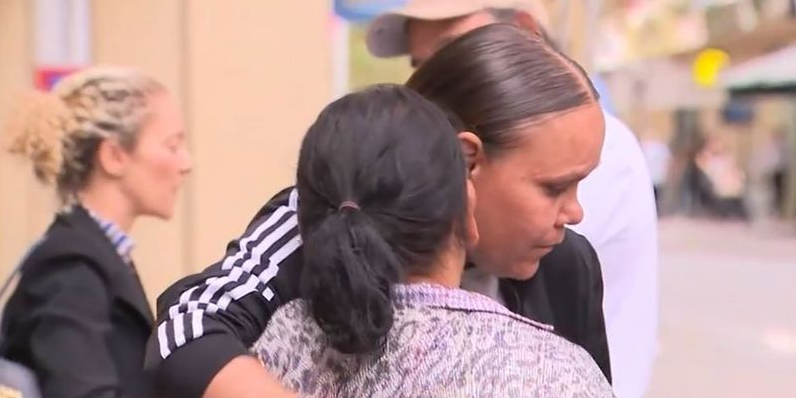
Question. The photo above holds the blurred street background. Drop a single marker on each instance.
(728, 324)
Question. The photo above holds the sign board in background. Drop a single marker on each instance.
(45, 77)
(364, 10)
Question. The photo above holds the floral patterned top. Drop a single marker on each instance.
(443, 343)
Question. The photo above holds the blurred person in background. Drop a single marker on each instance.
(617, 198)
(111, 141)
(778, 159)
(658, 156)
(724, 180)
(208, 321)
(696, 192)
(387, 214)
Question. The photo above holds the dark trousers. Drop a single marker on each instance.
(778, 181)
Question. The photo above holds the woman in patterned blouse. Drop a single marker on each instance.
(388, 215)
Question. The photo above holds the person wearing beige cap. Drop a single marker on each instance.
(395, 33)
(617, 198)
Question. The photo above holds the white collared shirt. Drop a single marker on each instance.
(620, 221)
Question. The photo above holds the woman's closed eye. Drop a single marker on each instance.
(554, 190)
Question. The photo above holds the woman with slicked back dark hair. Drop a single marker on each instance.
(388, 217)
(536, 130)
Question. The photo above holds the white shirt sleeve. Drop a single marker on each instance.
(621, 223)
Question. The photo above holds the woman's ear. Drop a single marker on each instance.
(473, 150)
(111, 158)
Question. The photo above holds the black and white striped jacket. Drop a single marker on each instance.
(207, 319)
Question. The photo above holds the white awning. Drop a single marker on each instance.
(775, 69)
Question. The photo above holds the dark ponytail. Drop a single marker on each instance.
(381, 181)
(353, 270)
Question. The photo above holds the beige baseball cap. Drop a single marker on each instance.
(386, 35)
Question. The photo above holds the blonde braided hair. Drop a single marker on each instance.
(60, 131)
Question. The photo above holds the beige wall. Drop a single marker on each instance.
(22, 200)
(259, 74)
(251, 76)
(147, 34)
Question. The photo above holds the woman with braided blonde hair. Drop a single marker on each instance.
(112, 143)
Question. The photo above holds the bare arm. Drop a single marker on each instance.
(244, 377)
